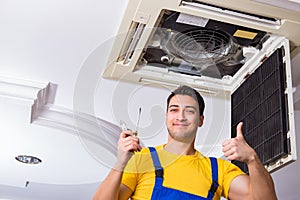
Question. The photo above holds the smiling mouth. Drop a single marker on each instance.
(180, 125)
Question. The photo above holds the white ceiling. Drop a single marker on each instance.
(52, 99)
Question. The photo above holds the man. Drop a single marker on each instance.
(176, 170)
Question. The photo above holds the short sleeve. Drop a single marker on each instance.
(129, 177)
(139, 163)
(229, 172)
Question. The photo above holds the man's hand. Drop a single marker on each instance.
(112, 187)
(259, 183)
(127, 144)
(237, 148)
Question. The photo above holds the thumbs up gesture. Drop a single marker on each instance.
(237, 148)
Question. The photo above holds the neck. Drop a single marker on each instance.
(180, 148)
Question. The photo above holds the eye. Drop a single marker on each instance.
(191, 111)
(173, 110)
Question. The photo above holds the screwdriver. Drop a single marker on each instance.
(124, 127)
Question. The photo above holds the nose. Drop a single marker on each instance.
(181, 116)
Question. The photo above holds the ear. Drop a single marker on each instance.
(201, 119)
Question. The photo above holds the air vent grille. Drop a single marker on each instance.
(260, 102)
(202, 44)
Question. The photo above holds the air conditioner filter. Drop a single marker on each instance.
(260, 102)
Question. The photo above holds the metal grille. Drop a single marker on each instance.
(202, 44)
(260, 102)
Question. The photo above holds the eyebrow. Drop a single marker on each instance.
(176, 106)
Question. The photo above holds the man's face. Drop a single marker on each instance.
(182, 118)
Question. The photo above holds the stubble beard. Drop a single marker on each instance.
(181, 136)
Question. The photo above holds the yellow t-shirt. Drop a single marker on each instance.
(188, 173)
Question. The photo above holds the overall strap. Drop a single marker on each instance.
(158, 168)
(214, 186)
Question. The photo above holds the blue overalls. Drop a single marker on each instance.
(160, 192)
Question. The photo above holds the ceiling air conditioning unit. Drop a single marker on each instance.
(238, 47)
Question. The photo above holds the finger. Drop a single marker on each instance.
(228, 153)
(126, 139)
(137, 147)
(132, 143)
(227, 148)
(232, 157)
(239, 131)
(226, 142)
(126, 133)
(133, 147)
(130, 146)
(131, 139)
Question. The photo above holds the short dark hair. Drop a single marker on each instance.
(186, 90)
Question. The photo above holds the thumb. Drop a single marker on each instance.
(239, 131)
